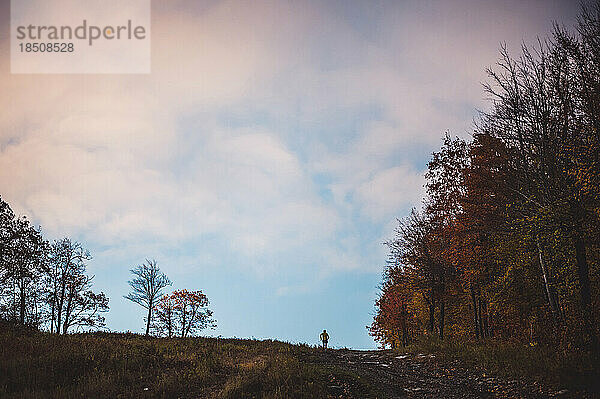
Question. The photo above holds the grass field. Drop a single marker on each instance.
(34, 364)
(111, 365)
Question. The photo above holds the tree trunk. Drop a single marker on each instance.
(442, 314)
(52, 320)
(431, 316)
(67, 314)
(475, 319)
(480, 318)
(22, 303)
(584, 287)
(486, 327)
(404, 326)
(58, 319)
(184, 321)
(149, 318)
(549, 295)
(431, 305)
(61, 302)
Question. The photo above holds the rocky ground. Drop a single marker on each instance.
(387, 374)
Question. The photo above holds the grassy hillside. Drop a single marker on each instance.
(102, 365)
(110, 365)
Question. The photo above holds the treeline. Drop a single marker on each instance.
(506, 244)
(45, 284)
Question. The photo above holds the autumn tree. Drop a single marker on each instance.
(394, 321)
(147, 286)
(164, 317)
(445, 188)
(410, 257)
(508, 232)
(182, 313)
(482, 224)
(191, 312)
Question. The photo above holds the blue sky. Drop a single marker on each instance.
(266, 157)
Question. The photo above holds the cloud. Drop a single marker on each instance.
(391, 189)
(267, 156)
(245, 107)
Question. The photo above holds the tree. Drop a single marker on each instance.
(43, 284)
(545, 110)
(414, 264)
(580, 56)
(164, 317)
(147, 287)
(445, 188)
(482, 221)
(191, 312)
(6, 235)
(182, 313)
(393, 321)
(22, 262)
(509, 232)
(67, 289)
(86, 308)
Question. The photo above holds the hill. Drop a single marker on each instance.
(102, 365)
(35, 364)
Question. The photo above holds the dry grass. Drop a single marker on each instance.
(575, 370)
(102, 365)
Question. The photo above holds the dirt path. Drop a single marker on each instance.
(386, 374)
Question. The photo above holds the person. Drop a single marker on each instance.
(324, 338)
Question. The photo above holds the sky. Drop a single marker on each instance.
(266, 157)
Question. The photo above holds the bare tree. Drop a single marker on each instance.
(147, 287)
(85, 308)
(66, 268)
(71, 303)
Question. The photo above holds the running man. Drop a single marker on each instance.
(324, 338)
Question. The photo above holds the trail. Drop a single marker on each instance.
(393, 375)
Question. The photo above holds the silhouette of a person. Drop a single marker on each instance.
(324, 338)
